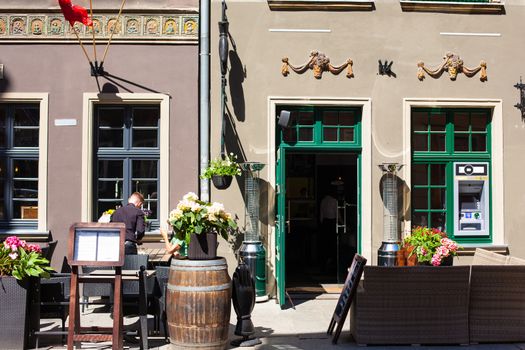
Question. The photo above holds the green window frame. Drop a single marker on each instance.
(19, 163)
(439, 138)
(127, 157)
(330, 127)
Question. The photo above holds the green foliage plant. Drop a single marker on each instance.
(22, 260)
(193, 216)
(430, 245)
(223, 167)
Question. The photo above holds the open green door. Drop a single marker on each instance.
(280, 225)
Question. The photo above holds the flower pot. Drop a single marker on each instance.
(19, 312)
(221, 182)
(203, 246)
(448, 261)
(411, 260)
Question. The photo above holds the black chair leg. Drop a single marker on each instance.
(164, 325)
(63, 330)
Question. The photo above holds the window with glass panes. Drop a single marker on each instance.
(127, 157)
(19, 137)
(326, 126)
(440, 137)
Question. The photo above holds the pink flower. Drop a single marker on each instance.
(450, 244)
(33, 248)
(12, 241)
(442, 251)
(436, 259)
(13, 256)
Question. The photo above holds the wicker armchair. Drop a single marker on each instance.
(497, 304)
(412, 305)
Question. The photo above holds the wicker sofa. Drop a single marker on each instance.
(412, 305)
(482, 303)
(497, 298)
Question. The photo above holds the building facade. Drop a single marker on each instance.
(425, 84)
(75, 144)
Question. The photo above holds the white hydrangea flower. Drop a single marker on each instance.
(190, 196)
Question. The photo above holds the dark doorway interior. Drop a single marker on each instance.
(312, 258)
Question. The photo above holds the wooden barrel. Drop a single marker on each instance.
(198, 304)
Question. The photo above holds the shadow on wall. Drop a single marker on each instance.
(233, 145)
(116, 82)
(235, 80)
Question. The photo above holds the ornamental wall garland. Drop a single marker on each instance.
(453, 64)
(319, 63)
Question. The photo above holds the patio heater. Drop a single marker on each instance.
(386, 255)
(252, 252)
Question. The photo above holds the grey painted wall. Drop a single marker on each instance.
(63, 72)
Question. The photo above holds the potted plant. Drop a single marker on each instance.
(20, 266)
(198, 223)
(222, 170)
(429, 246)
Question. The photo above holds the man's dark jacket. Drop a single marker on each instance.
(133, 217)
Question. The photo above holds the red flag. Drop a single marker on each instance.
(75, 13)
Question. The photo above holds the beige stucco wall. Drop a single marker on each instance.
(384, 33)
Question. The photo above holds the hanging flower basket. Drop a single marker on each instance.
(221, 182)
(221, 171)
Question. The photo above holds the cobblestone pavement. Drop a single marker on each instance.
(300, 327)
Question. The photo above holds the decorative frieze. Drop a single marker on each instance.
(319, 63)
(452, 64)
(129, 27)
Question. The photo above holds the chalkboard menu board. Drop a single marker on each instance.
(347, 294)
(96, 244)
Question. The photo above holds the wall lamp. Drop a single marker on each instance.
(521, 105)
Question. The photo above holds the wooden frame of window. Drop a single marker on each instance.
(327, 127)
(127, 142)
(454, 6)
(93, 99)
(39, 226)
(496, 159)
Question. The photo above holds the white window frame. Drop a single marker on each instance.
(498, 222)
(89, 102)
(42, 99)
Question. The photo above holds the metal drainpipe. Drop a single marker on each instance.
(204, 95)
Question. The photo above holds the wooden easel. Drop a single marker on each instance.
(88, 236)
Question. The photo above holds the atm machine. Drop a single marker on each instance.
(471, 199)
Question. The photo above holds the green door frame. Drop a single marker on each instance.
(317, 146)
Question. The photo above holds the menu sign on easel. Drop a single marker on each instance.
(96, 244)
(355, 271)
